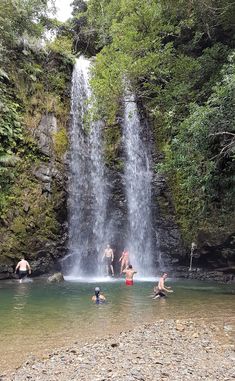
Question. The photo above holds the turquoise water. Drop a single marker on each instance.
(38, 316)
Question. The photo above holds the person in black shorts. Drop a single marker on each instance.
(108, 260)
(24, 268)
(161, 290)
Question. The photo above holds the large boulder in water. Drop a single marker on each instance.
(56, 278)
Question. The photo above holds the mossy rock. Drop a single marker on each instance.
(18, 225)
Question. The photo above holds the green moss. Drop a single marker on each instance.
(18, 225)
(60, 142)
(112, 139)
(30, 217)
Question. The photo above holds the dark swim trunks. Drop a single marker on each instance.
(161, 294)
(23, 274)
(108, 261)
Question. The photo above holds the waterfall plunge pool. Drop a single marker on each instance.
(37, 317)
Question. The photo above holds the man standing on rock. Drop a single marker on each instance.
(161, 288)
(108, 258)
(129, 271)
(24, 269)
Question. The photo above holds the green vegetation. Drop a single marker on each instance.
(34, 81)
(178, 57)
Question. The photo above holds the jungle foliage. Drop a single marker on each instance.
(178, 56)
(34, 80)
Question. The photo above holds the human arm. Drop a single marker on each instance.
(17, 266)
(28, 267)
(121, 258)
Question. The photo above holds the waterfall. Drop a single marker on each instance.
(138, 179)
(86, 183)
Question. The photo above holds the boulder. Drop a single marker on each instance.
(56, 278)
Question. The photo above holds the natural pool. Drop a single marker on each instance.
(38, 316)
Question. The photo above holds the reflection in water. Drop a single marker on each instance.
(21, 296)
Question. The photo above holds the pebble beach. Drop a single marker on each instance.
(175, 350)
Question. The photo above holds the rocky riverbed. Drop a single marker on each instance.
(176, 350)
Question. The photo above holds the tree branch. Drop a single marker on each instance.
(222, 133)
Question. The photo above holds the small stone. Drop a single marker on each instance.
(180, 327)
(114, 345)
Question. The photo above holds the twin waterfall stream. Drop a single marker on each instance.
(90, 228)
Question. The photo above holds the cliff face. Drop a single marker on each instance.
(33, 192)
(34, 223)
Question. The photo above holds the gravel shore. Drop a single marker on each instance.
(166, 350)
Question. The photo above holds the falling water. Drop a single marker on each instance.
(87, 191)
(99, 188)
(138, 178)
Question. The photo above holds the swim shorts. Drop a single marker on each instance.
(23, 273)
(108, 261)
(161, 294)
(129, 282)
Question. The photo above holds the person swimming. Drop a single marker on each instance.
(98, 298)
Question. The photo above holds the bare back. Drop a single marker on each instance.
(23, 265)
(129, 274)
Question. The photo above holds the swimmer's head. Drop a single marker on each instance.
(164, 275)
(108, 246)
(97, 291)
(130, 267)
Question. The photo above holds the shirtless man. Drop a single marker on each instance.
(108, 258)
(161, 288)
(24, 268)
(129, 271)
(124, 260)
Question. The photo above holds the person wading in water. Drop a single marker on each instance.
(24, 269)
(130, 272)
(161, 289)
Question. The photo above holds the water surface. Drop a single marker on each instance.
(37, 316)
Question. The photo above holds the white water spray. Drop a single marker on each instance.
(138, 178)
(87, 190)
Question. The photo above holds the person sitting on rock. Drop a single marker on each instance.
(161, 289)
(98, 298)
(24, 268)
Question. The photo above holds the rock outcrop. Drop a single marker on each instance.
(56, 278)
